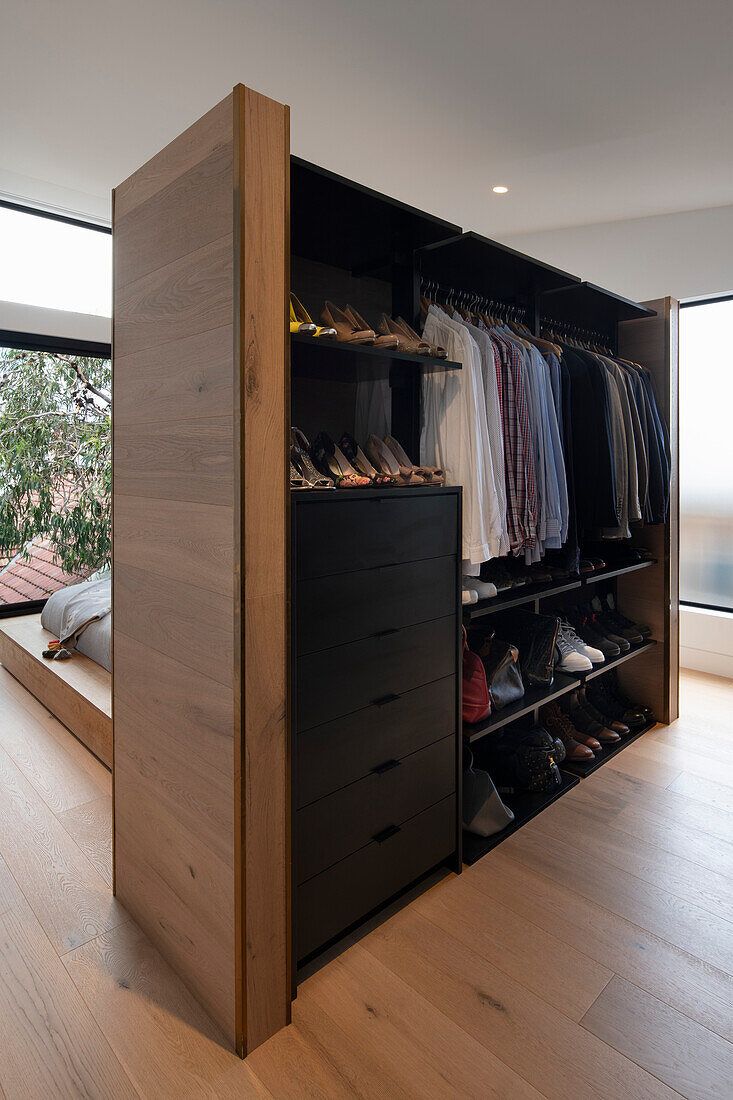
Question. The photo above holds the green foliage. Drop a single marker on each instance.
(55, 455)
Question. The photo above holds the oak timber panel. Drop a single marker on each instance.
(262, 183)
(173, 641)
(652, 595)
(77, 692)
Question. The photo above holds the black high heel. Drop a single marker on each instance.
(301, 460)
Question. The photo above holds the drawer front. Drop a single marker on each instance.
(334, 610)
(339, 681)
(337, 826)
(340, 536)
(340, 752)
(346, 892)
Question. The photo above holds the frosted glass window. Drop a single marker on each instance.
(44, 262)
(706, 454)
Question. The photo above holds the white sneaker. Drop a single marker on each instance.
(571, 636)
(486, 590)
(571, 659)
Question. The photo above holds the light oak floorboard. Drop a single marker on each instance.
(690, 1059)
(90, 825)
(51, 1045)
(161, 1035)
(700, 990)
(705, 790)
(70, 899)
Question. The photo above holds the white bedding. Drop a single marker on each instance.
(82, 614)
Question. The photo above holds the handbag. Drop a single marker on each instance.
(503, 676)
(476, 700)
(536, 636)
(530, 761)
(484, 813)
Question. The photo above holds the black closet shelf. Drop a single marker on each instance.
(335, 221)
(525, 806)
(514, 597)
(532, 698)
(576, 768)
(635, 651)
(589, 306)
(471, 262)
(316, 358)
(606, 574)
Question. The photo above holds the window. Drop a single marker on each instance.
(706, 455)
(55, 262)
(55, 469)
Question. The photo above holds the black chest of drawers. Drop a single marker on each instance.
(376, 698)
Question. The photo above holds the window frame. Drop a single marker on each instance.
(713, 299)
(24, 341)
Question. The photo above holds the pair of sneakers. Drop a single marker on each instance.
(574, 654)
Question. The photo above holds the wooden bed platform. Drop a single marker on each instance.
(78, 692)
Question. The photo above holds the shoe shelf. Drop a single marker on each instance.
(614, 662)
(315, 357)
(525, 805)
(580, 769)
(605, 574)
(532, 698)
(514, 597)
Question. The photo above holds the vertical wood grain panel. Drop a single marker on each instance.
(174, 281)
(262, 231)
(200, 545)
(652, 595)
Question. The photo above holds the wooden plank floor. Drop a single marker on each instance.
(590, 955)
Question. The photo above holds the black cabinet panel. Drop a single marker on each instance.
(342, 608)
(332, 755)
(340, 536)
(337, 826)
(342, 680)
(342, 895)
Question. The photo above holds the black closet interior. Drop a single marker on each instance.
(377, 738)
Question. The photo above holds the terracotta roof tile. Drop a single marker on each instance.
(35, 577)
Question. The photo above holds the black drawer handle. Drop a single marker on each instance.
(384, 700)
(385, 834)
(384, 633)
(387, 766)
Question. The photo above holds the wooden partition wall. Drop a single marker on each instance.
(201, 392)
(652, 595)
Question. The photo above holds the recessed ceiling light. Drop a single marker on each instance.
(500, 190)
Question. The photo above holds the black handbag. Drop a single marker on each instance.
(536, 636)
(503, 674)
(529, 761)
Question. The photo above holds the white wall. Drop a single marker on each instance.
(687, 255)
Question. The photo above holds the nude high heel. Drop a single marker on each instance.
(435, 349)
(328, 457)
(389, 343)
(385, 461)
(346, 331)
(433, 474)
(360, 462)
(411, 343)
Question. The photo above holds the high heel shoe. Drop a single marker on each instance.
(361, 463)
(436, 350)
(433, 474)
(328, 457)
(408, 342)
(301, 460)
(386, 463)
(388, 343)
(346, 331)
(297, 481)
(303, 328)
(299, 315)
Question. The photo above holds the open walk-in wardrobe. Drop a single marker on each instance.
(288, 742)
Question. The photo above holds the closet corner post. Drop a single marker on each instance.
(262, 857)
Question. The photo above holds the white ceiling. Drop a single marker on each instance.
(589, 111)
